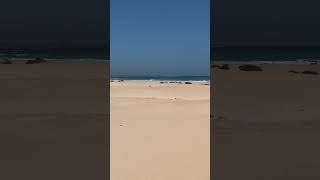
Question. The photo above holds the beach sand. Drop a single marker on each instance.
(160, 131)
(265, 124)
(54, 121)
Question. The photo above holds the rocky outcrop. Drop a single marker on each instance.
(249, 67)
(37, 60)
(223, 66)
(5, 61)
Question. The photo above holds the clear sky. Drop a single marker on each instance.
(160, 37)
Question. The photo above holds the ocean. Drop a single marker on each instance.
(163, 78)
(274, 54)
(267, 54)
(245, 54)
(86, 54)
(56, 53)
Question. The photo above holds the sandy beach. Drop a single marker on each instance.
(160, 131)
(53, 120)
(265, 124)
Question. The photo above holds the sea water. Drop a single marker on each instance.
(55, 53)
(266, 54)
(163, 78)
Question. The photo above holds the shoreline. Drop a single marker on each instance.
(159, 81)
(274, 62)
(18, 60)
(164, 79)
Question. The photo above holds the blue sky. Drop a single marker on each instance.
(160, 37)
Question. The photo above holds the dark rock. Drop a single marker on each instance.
(215, 66)
(121, 80)
(5, 61)
(313, 62)
(188, 83)
(223, 66)
(40, 60)
(30, 62)
(37, 60)
(293, 71)
(249, 67)
(310, 72)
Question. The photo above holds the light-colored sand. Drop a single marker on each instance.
(160, 131)
(266, 124)
(54, 121)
